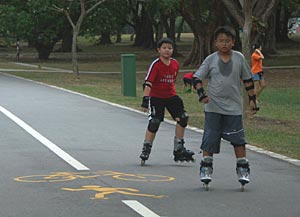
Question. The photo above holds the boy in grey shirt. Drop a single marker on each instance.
(224, 69)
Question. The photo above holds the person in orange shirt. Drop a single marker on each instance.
(257, 70)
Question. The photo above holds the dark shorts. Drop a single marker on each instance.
(258, 76)
(187, 81)
(174, 105)
(218, 126)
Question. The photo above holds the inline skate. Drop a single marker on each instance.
(181, 153)
(243, 172)
(206, 171)
(145, 152)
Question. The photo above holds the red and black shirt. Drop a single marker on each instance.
(163, 78)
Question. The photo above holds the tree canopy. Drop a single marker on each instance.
(39, 23)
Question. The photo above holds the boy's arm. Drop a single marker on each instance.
(249, 86)
(199, 87)
(260, 54)
(200, 74)
(147, 88)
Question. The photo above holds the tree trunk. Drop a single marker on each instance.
(180, 29)
(247, 28)
(270, 36)
(74, 53)
(44, 51)
(66, 45)
(105, 38)
(144, 31)
(44, 46)
(203, 31)
(169, 24)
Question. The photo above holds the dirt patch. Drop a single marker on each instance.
(279, 125)
(282, 77)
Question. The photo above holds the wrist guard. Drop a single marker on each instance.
(201, 94)
(145, 102)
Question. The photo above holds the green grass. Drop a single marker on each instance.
(275, 127)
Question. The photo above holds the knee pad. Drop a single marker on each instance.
(184, 118)
(153, 125)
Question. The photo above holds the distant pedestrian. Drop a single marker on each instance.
(18, 49)
(188, 82)
(257, 70)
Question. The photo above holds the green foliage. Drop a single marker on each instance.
(109, 17)
(30, 20)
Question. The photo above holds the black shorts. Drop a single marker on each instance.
(174, 105)
(217, 126)
(187, 81)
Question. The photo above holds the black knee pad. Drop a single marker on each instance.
(184, 118)
(153, 125)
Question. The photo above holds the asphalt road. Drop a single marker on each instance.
(66, 155)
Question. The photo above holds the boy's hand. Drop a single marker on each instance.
(202, 96)
(145, 103)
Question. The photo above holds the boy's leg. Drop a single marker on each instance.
(240, 151)
(179, 131)
(149, 136)
(210, 144)
(242, 164)
(256, 89)
(156, 113)
(262, 85)
(176, 109)
(234, 133)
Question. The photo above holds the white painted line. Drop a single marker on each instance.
(54, 148)
(140, 208)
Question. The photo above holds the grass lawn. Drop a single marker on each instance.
(275, 127)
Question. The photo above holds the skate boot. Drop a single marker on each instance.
(181, 153)
(145, 152)
(243, 172)
(206, 171)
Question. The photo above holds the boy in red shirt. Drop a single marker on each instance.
(188, 81)
(160, 93)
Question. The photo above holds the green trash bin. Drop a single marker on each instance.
(128, 74)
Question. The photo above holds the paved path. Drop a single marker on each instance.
(66, 154)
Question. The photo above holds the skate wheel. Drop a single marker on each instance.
(143, 162)
(242, 188)
(206, 187)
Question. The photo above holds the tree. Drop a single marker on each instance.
(86, 7)
(142, 22)
(32, 21)
(244, 11)
(107, 20)
(285, 10)
(202, 17)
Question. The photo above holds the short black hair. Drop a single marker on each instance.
(227, 30)
(165, 40)
(257, 45)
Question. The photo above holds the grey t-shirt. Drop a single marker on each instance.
(224, 82)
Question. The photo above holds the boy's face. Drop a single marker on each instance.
(165, 50)
(224, 43)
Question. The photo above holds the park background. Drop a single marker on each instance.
(57, 49)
